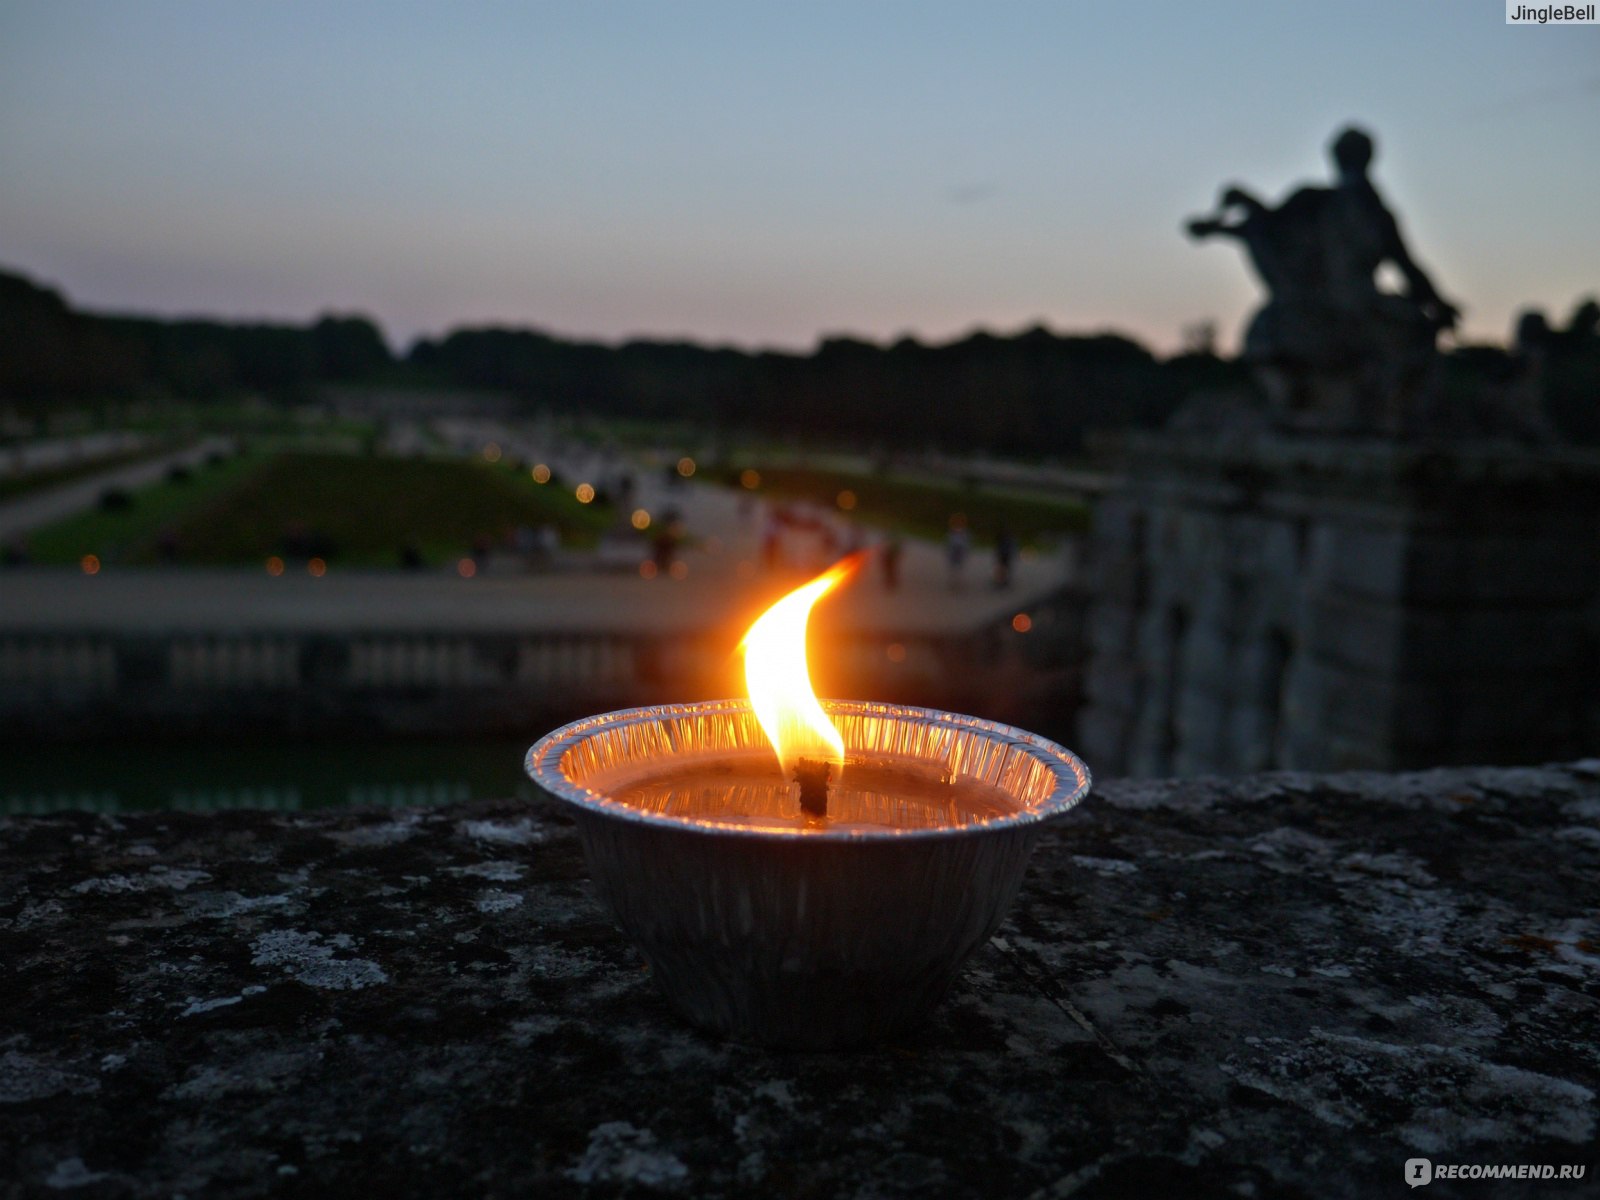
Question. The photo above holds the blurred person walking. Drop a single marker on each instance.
(1005, 554)
(956, 544)
(772, 541)
(891, 562)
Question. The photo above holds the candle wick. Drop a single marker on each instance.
(812, 776)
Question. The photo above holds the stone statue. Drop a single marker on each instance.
(1332, 350)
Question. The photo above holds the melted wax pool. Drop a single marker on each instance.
(869, 795)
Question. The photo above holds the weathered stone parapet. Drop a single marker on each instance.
(1275, 985)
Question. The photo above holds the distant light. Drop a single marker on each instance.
(317, 567)
(274, 566)
(540, 473)
(750, 479)
(647, 569)
(491, 452)
(686, 466)
(896, 652)
(680, 570)
(90, 564)
(845, 499)
(585, 493)
(640, 519)
(1022, 622)
(466, 568)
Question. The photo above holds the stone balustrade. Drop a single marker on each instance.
(73, 685)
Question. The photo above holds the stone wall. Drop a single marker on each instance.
(1270, 986)
(1323, 604)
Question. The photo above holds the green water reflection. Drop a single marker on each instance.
(120, 777)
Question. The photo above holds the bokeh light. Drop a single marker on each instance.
(317, 568)
(585, 493)
(686, 466)
(845, 500)
(90, 563)
(274, 566)
(750, 479)
(640, 519)
(540, 473)
(1022, 622)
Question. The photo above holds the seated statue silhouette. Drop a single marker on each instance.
(1333, 351)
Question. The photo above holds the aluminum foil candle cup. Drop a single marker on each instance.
(805, 934)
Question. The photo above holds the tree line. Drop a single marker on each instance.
(1027, 393)
(51, 353)
(1031, 392)
(1006, 394)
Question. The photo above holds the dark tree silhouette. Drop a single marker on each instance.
(1032, 393)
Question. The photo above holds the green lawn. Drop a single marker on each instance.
(130, 535)
(924, 509)
(244, 419)
(358, 511)
(13, 486)
(366, 509)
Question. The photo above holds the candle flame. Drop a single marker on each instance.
(779, 682)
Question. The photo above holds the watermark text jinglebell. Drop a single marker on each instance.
(1518, 13)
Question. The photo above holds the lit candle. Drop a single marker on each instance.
(896, 775)
(800, 872)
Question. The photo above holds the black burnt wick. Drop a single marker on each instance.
(812, 776)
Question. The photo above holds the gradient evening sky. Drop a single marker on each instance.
(766, 173)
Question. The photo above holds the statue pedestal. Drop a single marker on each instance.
(1278, 601)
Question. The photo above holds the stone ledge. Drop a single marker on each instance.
(1272, 985)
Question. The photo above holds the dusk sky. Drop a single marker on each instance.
(763, 174)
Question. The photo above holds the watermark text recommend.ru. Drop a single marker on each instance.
(1518, 13)
(1421, 1171)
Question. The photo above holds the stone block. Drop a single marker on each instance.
(1329, 750)
(1200, 719)
(1366, 560)
(1324, 695)
(1104, 737)
(1117, 522)
(1115, 685)
(1248, 739)
(1366, 634)
(1112, 631)
(1262, 545)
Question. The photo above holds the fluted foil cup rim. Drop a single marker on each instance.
(1069, 778)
